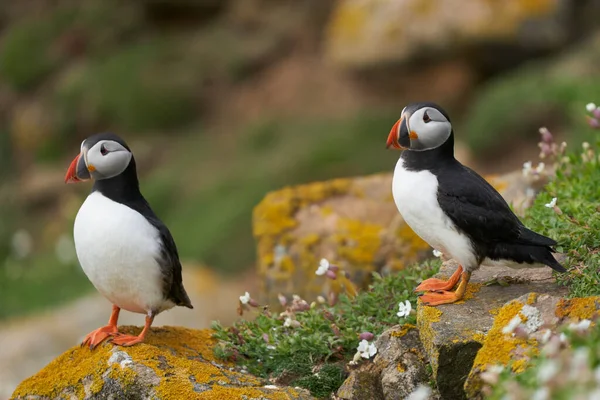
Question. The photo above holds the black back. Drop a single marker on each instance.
(125, 189)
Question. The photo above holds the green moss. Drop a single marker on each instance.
(323, 382)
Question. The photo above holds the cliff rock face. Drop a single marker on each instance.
(364, 33)
(174, 363)
(353, 223)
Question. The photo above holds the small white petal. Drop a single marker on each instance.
(437, 253)
(421, 393)
(372, 350)
(323, 267)
(245, 298)
(543, 130)
(540, 168)
(512, 325)
(552, 203)
(590, 107)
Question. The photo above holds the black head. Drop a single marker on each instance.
(422, 126)
(102, 156)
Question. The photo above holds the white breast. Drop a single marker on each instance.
(117, 249)
(415, 194)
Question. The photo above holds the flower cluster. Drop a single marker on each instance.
(568, 366)
(594, 117)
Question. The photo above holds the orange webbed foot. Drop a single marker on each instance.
(435, 298)
(121, 339)
(96, 337)
(434, 284)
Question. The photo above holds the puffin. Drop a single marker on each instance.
(454, 209)
(125, 250)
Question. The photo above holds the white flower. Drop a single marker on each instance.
(590, 107)
(552, 203)
(547, 371)
(585, 145)
(540, 168)
(526, 168)
(580, 326)
(563, 338)
(323, 267)
(421, 393)
(541, 394)
(245, 298)
(288, 322)
(404, 309)
(512, 325)
(437, 253)
(271, 347)
(366, 350)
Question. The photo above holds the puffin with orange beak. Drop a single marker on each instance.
(124, 249)
(454, 209)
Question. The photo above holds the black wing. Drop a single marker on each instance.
(169, 258)
(478, 210)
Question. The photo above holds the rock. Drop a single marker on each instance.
(174, 363)
(365, 33)
(396, 371)
(353, 223)
(452, 334)
(539, 313)
(68, 324)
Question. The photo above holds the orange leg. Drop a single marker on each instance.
(121, 339)
(432, 284)
(96, 337)
(444, 296)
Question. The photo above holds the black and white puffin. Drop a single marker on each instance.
(454, 209)
(126, 252)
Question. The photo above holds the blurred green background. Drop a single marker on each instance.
(223, 101)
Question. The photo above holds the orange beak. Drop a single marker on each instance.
(393, 136)
(71, 176)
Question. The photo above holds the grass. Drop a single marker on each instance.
(576, 226)
(326, 336)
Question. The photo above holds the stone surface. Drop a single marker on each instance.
(396, 371)
(371, 32)
(452, 334)
(538, 313)
(173, 363)
(65, 326)
(352, 222)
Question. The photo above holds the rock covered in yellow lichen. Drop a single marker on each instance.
(352, 222)
(530, 316)
(174, 363)
(370, 32)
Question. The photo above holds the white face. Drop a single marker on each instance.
(106, 159)
(431, 128)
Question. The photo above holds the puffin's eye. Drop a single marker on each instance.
(426, 118)
(103, 150)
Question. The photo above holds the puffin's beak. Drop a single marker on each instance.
(78, 170)
(399, 137)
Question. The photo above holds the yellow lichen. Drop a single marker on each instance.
(414, 243)
(175, 355)
(403, 330)
(581, 307)
(426, 317)
(499, 348)
(472, 288)
(400, 368)
(358, 241)
(532, 298)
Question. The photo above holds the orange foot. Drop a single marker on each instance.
(101, 334)
(433, 284)
(121, 339)
(445, 297)
(98, 336)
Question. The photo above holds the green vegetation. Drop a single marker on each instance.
(576, 222)
(326, 336)
(510, 108)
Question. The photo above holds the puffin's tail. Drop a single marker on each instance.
(544, 255)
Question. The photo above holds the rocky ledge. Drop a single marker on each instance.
(174, 363)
